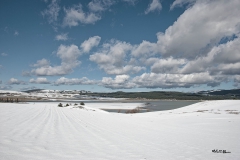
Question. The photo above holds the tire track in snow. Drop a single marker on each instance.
(102, 132)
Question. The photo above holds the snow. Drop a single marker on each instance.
(116, 105)
(102, 105)
(9, 91)
(45, 131)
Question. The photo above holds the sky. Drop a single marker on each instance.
(120, 45)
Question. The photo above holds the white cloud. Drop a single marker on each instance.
(62, 37)
(120, 81)
(112, 58)
(52, 12)
(237, 81)
(145, 49)
(52, 71)
(87, 45)
(42, 63)
(153, 80)
(100, 5)
(75, 15)
(154, 6)
(69, 56)
(39, 81)
(222, 59)
(169, 65)
(16, 81)
(74, 81)
(200, 27)
(230, 69)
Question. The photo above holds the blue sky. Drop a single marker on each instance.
(127, 45)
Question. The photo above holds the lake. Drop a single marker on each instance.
(151, 106)
(145, 106)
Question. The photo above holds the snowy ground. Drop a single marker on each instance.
(102, 105)
(45, 131)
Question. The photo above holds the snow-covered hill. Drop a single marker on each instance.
(45, 131)
(46, 94)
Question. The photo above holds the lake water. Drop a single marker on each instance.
(147, 106)
(151, 106)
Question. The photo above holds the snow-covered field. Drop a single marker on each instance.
(45, 131)
(102, 105)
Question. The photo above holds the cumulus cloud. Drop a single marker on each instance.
(145, 49)
(159, 80)
(112, 58)
(87, 45)
(74, 81)
(39, 81)
(42, 63)
(75, 14)
(230, 69)
(155, 5)
(16, 81)
(222, 59)
(69, 54)
(153, 80)
(62, 37)
(69, 57)
(237, 81)
(200, 27)
(120, 81)
(169, 65)
(52, 12)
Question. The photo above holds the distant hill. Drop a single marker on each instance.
(32, 90)
(203, 95)
(235, 92)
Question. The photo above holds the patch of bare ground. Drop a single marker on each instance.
(135, 110)
(201, 111)
(234, 112)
